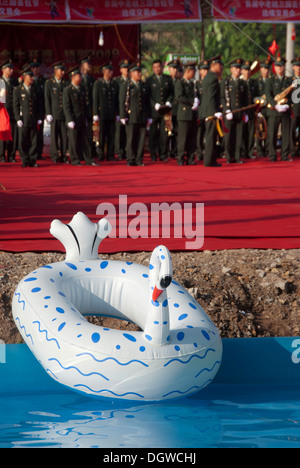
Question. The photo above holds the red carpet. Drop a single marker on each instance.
(254, 205)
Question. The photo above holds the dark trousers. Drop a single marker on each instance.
(9, 147)
(120, 140)
(211, 151)
(58, 140)
(233, 140)
(40, 137)
(107, 137)
(28, 144)
(273, 126)
(79, 144)
(262, 146)
(135, 134)
(295, 139)
(187, 134)
(158, 139)
(200, 139)
(248, 138)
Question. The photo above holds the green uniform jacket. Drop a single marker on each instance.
(274, 86)
(233, 95)
(160, 91)
(26, 106)
(139, 109)
(200, 94)
(211, 97)
(74, 105)
(9, 86)
(185, 93)
(106, 99)
(252, 91)
(87, 84)
(54, 98)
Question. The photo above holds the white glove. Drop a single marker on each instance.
(149, 121)
(95, 118)
(71, 125)
(124, 121)
(229, 115)
(157, 106)
(218, 115)
(195, 104)
(245, 118)
(39, 122)
(49, 118)
(281, 107)
(117, 118)
(20, 123)
(168, 104)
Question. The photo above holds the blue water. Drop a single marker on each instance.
(219, 416)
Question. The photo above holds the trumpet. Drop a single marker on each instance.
(166, 112)
(281, 97)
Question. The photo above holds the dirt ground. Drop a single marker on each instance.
(247, 292)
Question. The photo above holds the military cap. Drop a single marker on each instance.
(6, 64)
(190, 66)
(59, 64)
(246, 65)
(216, 59)
(280, 61)
(26, 70)
(204, 65)
(236, 63)
(266, 63)
(124, 64)
(136, 66)
(174, 63)
(86, 59)
(35, 63)
(107, 66)
(296, 61)
(74, 71)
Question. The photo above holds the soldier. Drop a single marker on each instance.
(188, 101)
(173, 68)
(39, 84)
(106, 111)
(279, 113)
(249, 126)
(74, 106)
(28, 115)
(120, 136)
(203, 70)
(262, 145)
(210, 107)
(233, 97)
(10, 83)
(87, 83)
(295, 123)
(55, 115)
(161, 91)
(135, 113)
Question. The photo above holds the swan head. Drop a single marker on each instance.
(160, 271)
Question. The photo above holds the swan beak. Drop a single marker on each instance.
(156, 293)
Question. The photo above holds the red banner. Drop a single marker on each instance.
(33, 10)
(274, 11)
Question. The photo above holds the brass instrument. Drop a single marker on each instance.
(254, 67)
(281, 97)
(261, 100)
(261, 129)
(96, 133)
(166, 111)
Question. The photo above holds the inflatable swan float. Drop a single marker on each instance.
(177, 353)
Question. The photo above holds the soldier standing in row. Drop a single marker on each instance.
(74, 106)
(278, 113)
(39, 85)
(233, 92)
(27, 111)
(87, 84)
(106, 111)
(187, 97)
(262, 145)
(251, 94)
(55, 115)
(161, 91)
(135, 113)
(10, 83)
(120, 137)
(203, 70)
(295, 124)
(210, 107)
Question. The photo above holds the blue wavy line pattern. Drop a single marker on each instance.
(208, 370)
(196, 387)
(19, 299)
(46, 333)
(193, 356)
(113, 359)
(109, 391)
(22, 327)
(79, 371)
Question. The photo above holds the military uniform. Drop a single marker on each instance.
(187, 97)
(75, 110)
(106, 106)
(233, 97)
(262, 145)
(249, 126)
(295, 123)
(56, 117)
(173, 139)
(201, 120)
(87, 84)
(135, 110)
(28, 114)
(120, 135)
(275, 85)
(161, 91)
(39, 85)
(9, 146)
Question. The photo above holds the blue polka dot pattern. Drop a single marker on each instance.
(95, 337)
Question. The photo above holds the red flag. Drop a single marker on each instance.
(5, 128)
